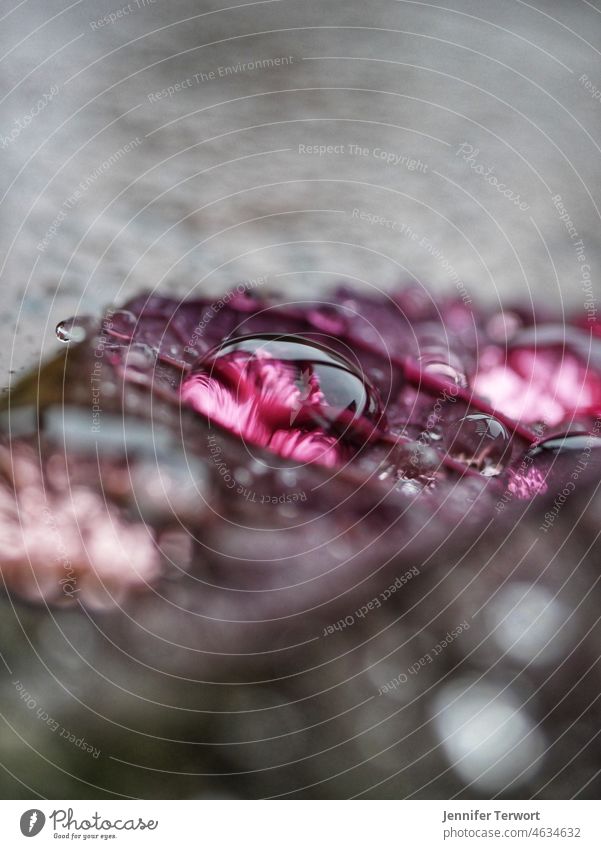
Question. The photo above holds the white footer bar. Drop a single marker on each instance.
(301, 824)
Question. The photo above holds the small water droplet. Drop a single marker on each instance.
(481, 441)
(439, 365)
(73, 329)
(414, 459)
(448, 372)
(122, 322)
(410, 488)
(191, 353)
(140, 356)
(565, 444)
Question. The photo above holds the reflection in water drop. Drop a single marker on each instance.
(297, 398)
(316, 376)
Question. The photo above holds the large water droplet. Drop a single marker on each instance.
(292, 383)
(73, 329)
(441, 363)
(481, 441)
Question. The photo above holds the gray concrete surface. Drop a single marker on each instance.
(215, 189)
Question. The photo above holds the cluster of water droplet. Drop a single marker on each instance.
(349, 406)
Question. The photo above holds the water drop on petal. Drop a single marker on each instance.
(122, 322)
(284, 392)
(566, 444)
(479, 440)
(139, 356)
(440, 368)
(412, 460)
(73, 329)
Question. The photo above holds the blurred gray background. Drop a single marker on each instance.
(216, 187)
